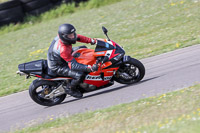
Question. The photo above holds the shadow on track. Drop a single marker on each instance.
(146, 80)
(108, 91)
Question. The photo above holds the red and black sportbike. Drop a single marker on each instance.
(113, 65)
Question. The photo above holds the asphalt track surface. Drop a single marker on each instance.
(164, 73)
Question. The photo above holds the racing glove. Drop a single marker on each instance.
(92, 68)
(93, 41)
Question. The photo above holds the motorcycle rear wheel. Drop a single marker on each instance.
(137, 66)
(37, 92)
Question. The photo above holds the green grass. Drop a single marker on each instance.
(174, 112)
(2, 1)
(143, 28)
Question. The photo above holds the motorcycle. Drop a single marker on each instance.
(113, 65)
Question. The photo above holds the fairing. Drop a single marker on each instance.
(108, 49)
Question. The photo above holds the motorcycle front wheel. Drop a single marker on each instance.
(133, 69)
(40, 88)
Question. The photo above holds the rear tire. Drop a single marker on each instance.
(139, 71)
(38, 85)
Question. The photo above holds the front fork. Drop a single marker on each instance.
(123, 72)
(126, 59)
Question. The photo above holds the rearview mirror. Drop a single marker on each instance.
(104, 30)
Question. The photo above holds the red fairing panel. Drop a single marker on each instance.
(95, 79)
(113, 52)
(96, 83)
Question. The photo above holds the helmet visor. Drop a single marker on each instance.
(69, 36)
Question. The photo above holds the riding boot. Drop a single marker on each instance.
(71, 87)
(72, 91)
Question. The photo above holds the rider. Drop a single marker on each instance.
(61, 62)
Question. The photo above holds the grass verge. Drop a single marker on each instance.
(2, 1)
(143, 28)
(174, 112)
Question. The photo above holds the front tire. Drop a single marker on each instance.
(39, 88)
(133, 65)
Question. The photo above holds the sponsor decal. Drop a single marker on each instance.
(97, 78)
(107, 45)
(100, 53)
(109, 71)
(38, 65)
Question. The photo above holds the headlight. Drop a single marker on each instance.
(118, 57)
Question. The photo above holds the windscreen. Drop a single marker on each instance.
(103, 46)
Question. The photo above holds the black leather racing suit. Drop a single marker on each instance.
(61, 62)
